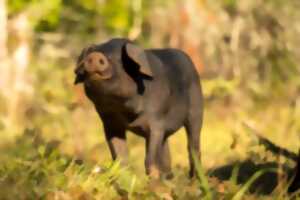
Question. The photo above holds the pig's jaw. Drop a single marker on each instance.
(115, 86)
(93, 79)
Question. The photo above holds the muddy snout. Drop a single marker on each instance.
(93, 65)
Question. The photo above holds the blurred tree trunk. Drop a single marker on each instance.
(19, 63)
(136, 28)
(12, 71)
(182, 33)
(4, 69)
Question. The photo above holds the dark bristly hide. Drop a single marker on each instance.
(152, 92)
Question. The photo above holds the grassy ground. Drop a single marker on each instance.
(60, 152)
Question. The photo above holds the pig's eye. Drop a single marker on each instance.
(101, 61)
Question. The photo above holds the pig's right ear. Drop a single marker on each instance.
(138, 55)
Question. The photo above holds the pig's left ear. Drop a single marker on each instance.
(138, 55)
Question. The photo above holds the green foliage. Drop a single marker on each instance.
(43, 172)
(44, 15)
(35, 166)
(15, 6)
(33, 169)
(116, 15)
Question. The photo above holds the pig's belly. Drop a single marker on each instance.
(138, 125)
(139, 131)
(173, 120)
(145, 133)
(176, 116)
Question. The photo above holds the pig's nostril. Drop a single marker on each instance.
(101, 61)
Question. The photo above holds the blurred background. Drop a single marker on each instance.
(246, 52)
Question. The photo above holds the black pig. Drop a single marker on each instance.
(151, 92)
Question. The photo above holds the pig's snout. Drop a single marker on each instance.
(97, 64)
(94, 65)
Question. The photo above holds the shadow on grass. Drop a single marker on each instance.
(265, 184)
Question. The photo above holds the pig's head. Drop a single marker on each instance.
(111, 62)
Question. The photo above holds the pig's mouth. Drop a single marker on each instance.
(95, 75)
(104, 74)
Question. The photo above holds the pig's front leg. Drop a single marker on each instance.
(153, 143)
(116, 140)
(164, 159)
(115, 135)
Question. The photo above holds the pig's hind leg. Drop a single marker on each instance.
(154, 143)
(193, 126)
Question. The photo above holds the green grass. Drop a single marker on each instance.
(39, 158)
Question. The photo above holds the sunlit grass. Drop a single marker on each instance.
(40, 161)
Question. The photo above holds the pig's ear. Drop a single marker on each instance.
(138, 55)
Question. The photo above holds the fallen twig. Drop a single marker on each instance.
(269, 145)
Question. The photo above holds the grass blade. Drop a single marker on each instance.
(247, 185)
(202, 178)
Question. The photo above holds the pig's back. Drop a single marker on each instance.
(181, 75)
(180, 70)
